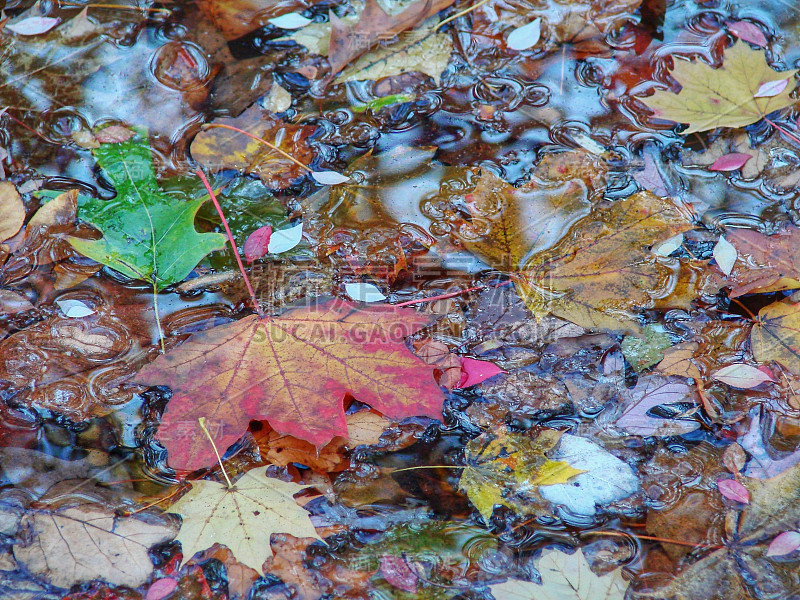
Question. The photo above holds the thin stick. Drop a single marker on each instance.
(253, 298)
(652, 538)
(158, 319)
(428, 467)
(460, 14)
(782, 130)
(119, 6)
(202, 421)
(451, 294)
(262, 141)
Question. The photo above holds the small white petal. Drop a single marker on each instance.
(725, 255)
(33, 25)
(771, 88)
(74, 309)
(526, 36)
(364, 292)
(291, 20)
(669, 246)
(329, 177)
(285, 239)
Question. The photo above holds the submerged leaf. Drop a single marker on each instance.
(776, 335)
(12, 210)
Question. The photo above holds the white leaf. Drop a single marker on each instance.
(329, 177)
(364, 292)
(526, 36)
(278, 100)
(741, 375)
(771, 88)
(669, 246)
(725, 255)
(33, 25)
(285, 239)
(291, 20)
(74, 309)
(607, 478)
(564, 577)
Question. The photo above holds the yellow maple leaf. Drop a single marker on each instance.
(603, 268)
(242, 517)
(776, 335)
(723, 97)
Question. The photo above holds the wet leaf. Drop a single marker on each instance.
(767, 263)
(83, 540)
(257, 243)
(741, 375)
(733, 490)
(603, 270)
(283, 240)
(525, 36)
(219, 148)
(11, 302)
(505, 469)
(784, 543)
(329, 177)
(146, 234)
(12, 209)
(642, 352)
(564, 577)
(32, 25)
(291, 20)
(730, 162)
(364, 292)
(475, 371)
(650, 392)
(776, 335)
(725, 254)
(396, 571)
(242, 517)
(256, 368)
(749, 32)
(723, 97)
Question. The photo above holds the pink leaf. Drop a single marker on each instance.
(784, 543)
(475, 371)
(748, 32)
(33, 25)
(730, 162)
(771, 88)
(651, 391)
(395, 570)
(741, 375)
(161, 588)
(733, 490)
(257, 243)
(114, 134)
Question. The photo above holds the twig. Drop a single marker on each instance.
(452, 294)
(653, 538)
(782, 130)
(428, 467)
(202, 421)
(460, 14)
(165, 11)
(253, 298)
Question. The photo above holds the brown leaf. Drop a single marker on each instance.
(235, 18)
(765, 263)
(225, 149)
(12, 209)
(348, 42)
(13, 302)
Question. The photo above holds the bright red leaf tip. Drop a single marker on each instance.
(475, 371)
(730, 162)
(748, 32)
(257, 243)
(733, 490)
(784, 543)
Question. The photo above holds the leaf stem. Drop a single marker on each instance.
(460, 14)
(253, 298)
(429, 467)
(451, 294)
(202, 421)
(653, 538)
(165, 11)
(158, 319)
(260, 140)
(782, 130)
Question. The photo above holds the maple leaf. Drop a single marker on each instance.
(723, 97)
(776, 335)
(219, 148)
(504, 469)
(564, 577)
(652, 391)
(349, 41)
(242, 517)
(146, 234)
(603, 267)
(765, 263)
(293, 371)
(12, 209)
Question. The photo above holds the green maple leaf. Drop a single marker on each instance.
(147, 234)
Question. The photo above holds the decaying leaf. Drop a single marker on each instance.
(723, 97)
(219, 148)
(765, 263)
(146, 234)
(83, 540)
(564, 577)
(603, 269)
(242, 517)
(12, 210)
(256, 368)
(776, 335)
(653, 391)
(505, 469)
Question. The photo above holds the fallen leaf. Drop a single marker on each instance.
(147, 234)
(364, 292)
(767, 263)
(749, 32)
(396, 571)
(741, 375)
(734, 458)
(81, 541)
(603, 270)
(650, 392)
(114, 134)
(257, 243)
(725, 254)
(647, 349)
(33, 25)
(564, 577)
(242, 517)
(329, 177)
(505, 469)
(12, 209)
(733, 490)
(723, 97)
(730, 162)
(74, 309)
(161, 588)
(235, 18)
(678, 360)
(776, 335)
(283, 240)
(771, 88)
(784, 543)
(220, 148)
(291, 20)
(12, 303)
(255, 369)
(525, 36)
(475, 371)
(349, 41)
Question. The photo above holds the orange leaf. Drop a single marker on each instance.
(767, 263)
(294, 371)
